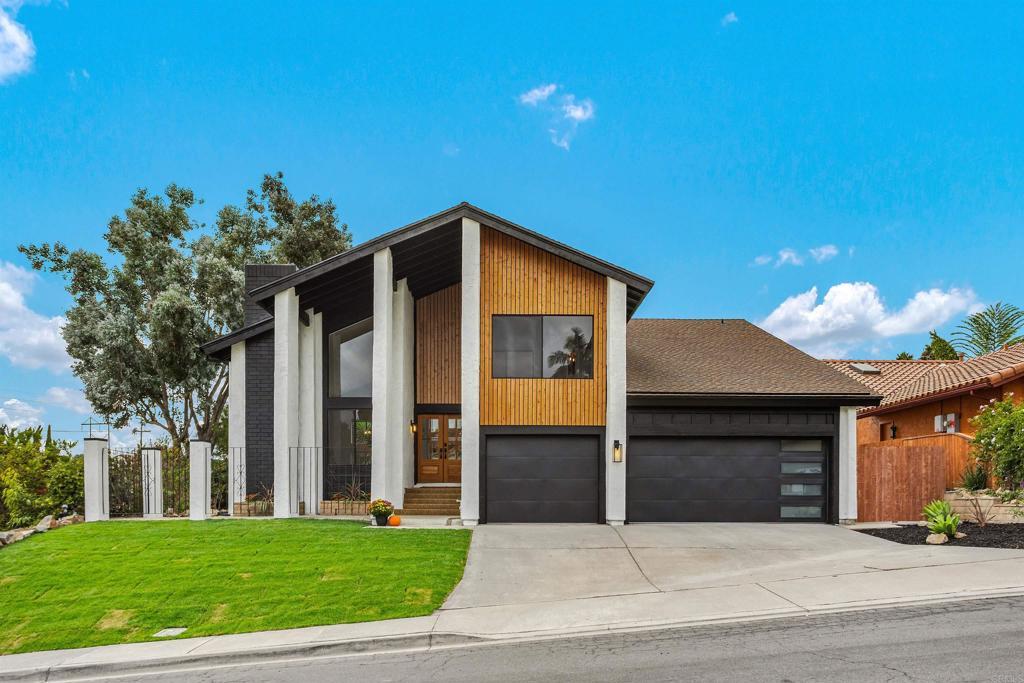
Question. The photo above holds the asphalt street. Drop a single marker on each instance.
(981, 640)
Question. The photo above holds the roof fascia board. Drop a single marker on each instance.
(213, 346)
(753, 400)
(437, 220)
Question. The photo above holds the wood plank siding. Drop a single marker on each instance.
(439, 346)
(895, 481)
(517, 278)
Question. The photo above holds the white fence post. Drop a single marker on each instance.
(152, 483)
(199, 480)
(97, 480)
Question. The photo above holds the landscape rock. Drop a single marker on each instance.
(961, 534)
(6, 537)
(45, 524)
(936, 539)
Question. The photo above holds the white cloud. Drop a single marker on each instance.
(789, 257)
(824, 252)
(17, 51)
(584, 111)
(535, 96)
(566, 114)
(28, 339)
(72, 399)
(730, 18)
(763, 260)
(18, 414)
(853, 313)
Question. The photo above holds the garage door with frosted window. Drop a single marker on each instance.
(690, 479)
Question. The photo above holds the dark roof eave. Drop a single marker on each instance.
(726, 398)
(638, 283)
(216, 346)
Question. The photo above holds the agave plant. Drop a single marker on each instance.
(936, 510)
(945, 524)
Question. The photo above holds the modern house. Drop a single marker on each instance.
(466, 364)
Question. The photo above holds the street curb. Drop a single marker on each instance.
(72, 672)
(442, 640)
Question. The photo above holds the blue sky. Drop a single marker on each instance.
(846, 179)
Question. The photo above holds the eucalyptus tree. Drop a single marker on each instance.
(139, 316)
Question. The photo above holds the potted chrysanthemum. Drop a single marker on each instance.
(381, 509)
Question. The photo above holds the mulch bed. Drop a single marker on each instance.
(990, 536)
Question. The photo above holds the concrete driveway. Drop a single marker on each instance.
(537, 563)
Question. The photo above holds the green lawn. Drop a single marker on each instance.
(121, 582)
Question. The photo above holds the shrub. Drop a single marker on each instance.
(935, 510)
(975, 477)
(999, 440)
(945, 524)
(38, 477)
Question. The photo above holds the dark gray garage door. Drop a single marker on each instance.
(687, 479)
(542, 478)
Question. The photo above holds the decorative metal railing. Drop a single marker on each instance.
(125, 481)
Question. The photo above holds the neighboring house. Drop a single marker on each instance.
(923, 398)
(465, 365)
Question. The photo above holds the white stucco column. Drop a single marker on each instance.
(615, 420)
(401, 396)
(199, 479)
(97, 479)
(286, 401)
(470, 379)
(383, 357)
(318, 405)
(152, 483)
(847, 464)
(236, 426)
(308, 455)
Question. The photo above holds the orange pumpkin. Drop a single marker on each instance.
(394, 520)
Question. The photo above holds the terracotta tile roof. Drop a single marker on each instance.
(672, 356)
(992, 369)
(892, 375)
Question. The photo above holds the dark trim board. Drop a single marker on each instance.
(487, 432)
(749, 400)
(439, 408)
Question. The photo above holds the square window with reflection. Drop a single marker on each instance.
(542, 346)
(350, 353)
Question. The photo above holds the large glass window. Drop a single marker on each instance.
(551, 346)
(349, 437)
(351, 361)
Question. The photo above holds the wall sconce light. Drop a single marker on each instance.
(412, 427)
(892, 430)
(617, 451)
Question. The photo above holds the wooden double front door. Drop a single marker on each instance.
(439, 449)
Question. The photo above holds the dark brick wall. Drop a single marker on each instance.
(257, 275)
(259, 384)
(259, 412)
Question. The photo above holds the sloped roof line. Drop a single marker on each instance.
(637, 282)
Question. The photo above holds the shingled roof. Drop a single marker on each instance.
(990, 370)
(726, 357)
(892, 375)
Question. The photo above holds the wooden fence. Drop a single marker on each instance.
(895, 479)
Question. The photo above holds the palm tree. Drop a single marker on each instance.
(904, 355)
(989, 330)
(578, 352)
